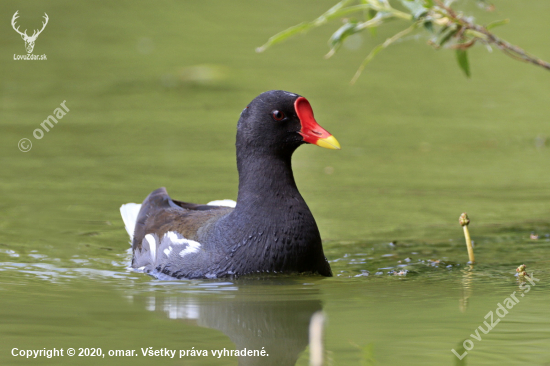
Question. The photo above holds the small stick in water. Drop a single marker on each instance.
(464, 221)
(316, 351)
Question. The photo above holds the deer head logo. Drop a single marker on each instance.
(29, 41)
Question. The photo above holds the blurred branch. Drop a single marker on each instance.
(446, 26)
(482, 34)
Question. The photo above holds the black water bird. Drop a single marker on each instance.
(269, 229)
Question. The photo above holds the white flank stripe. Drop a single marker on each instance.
(178, 239)
(192, 248)
(173, 237)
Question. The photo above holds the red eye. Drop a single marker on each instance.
(277, 115)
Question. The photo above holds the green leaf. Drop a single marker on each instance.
(445, 35)
(281, 36)
(371, 13)
(497, 23)
(429, 26)
(336, 8)
(462, 58)
(336, 11)
(342, 33)
(416, 7)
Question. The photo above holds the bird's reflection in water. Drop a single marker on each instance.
(278, 324)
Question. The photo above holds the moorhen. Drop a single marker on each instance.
(269, 229)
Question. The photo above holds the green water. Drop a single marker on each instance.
(421, 144)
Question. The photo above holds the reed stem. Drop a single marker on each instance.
(464, 221)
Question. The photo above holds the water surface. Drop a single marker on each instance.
(155, 91)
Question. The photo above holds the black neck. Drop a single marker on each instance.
(271, 227)
(265, 180)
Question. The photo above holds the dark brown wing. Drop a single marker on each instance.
(195, 206)
(160, 214)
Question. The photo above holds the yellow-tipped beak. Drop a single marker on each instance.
(329, 143)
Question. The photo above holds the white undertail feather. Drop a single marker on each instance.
(225, 203)
(152, 246)
(129, 213)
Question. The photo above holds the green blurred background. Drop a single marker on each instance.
(155, 90)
